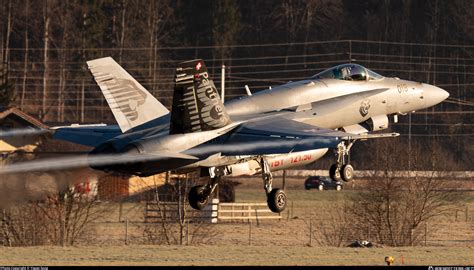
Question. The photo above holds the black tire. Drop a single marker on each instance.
(276, 200)
(347, 172)
(334, 173)
(196, 197)
(307, 188)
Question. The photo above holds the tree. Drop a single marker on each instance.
(226, 27)
(6, 88)
(394, 208)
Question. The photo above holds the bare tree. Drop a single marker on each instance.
(60, 219)
(336, 229)
(176, 222)
(46, 64)
(394, 208)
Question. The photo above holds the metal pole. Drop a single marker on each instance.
(223, 83)
(409, 141)
(310, 233)
(82, 101)
(350, 51)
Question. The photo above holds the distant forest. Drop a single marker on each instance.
(45, 45)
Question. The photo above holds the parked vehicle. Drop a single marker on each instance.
(322, 183)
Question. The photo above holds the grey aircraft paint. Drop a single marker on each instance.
(340, 97)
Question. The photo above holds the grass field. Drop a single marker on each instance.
(232, 255)
(282, 242)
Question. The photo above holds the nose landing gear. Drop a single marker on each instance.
(342, 169)
(276, 198)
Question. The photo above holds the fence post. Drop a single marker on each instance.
(256, 217)
(368, 233)
(126, 231)
(248, 212)
(426, 232)
(250, 232)
(214, 209)
(310, 233)
(292, 213)
(187, 232)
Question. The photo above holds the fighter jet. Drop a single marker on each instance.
(347, 97)
(291, 125)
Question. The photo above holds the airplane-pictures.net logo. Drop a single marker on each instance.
(450, 268)
(364, 107)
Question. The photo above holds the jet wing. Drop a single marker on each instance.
(286, 128)
(89, 135)
(277, 135)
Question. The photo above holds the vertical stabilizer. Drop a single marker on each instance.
(196, 103)
(131, 104)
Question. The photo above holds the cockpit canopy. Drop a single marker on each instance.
(349, 72)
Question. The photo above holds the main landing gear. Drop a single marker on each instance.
(276, 198)
(342, 169)
(198, 196)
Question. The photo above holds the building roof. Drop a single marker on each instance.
(19, 113)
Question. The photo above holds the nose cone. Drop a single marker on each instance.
(434, 95)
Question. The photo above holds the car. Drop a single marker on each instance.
(321, 183)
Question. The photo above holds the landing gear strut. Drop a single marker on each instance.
(276, 198)
(198, 196)
(342, 169)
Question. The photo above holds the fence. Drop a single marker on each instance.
(214, 212)
(302, 228)
(172, 211)
(259, 66)
(245, 211)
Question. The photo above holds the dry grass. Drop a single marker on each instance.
(282, 242)
(232, 255)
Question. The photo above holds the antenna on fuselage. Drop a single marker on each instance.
(247, 89)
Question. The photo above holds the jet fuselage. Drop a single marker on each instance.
(393, 96)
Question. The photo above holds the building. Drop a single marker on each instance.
(20, 131)
(23, 137)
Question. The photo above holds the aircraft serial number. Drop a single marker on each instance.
(297, 159)
(300, 158)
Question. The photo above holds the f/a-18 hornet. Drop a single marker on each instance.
(290, 125)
